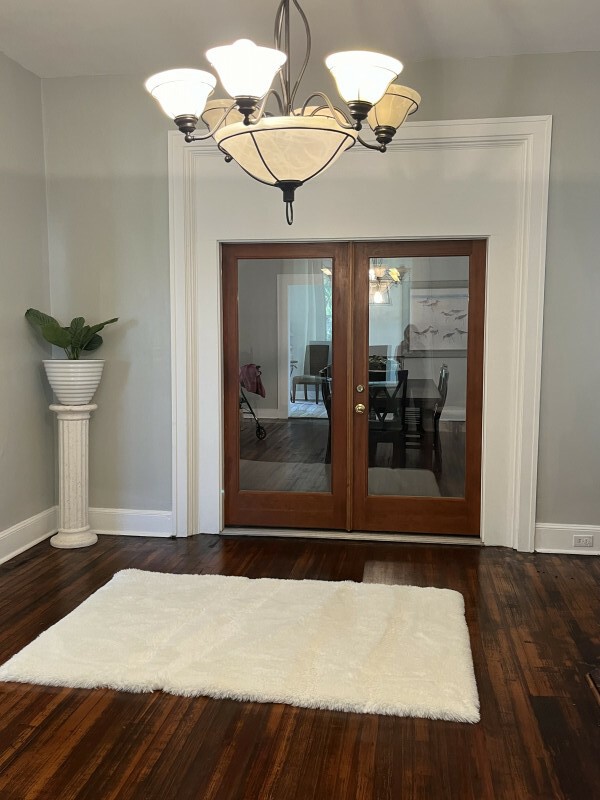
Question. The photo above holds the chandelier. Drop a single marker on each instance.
(295, 143)
(381, 278)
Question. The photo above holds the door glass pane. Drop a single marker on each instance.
(285, 351)
(418, 336)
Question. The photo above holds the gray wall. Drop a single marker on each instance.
(107, 194)
(565, 86)
(26, 424)
(257, 320)
(106, 153)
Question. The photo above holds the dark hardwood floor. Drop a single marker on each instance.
(533, 621)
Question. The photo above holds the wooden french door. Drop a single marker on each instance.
(370, 359)
(431, 482)
(258, 289)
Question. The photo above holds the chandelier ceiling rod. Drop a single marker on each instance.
(282, 26)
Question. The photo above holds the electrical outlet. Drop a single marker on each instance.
(583, 541)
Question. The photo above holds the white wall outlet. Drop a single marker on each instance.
(583, 541)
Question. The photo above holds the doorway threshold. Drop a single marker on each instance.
(362, 536)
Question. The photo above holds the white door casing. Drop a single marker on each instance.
(458, 179)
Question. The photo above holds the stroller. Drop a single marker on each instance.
(251, 381)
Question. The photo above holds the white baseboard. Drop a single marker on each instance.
(25, 534)
(131, 522)
(550, 538)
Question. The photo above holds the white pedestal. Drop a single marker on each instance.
(73, 438)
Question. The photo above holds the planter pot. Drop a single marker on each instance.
(74, 382)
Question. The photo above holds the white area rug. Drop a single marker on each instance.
(370, 648)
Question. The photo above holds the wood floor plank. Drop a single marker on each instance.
(533, 623)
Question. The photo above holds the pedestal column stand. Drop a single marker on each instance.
(73, 470)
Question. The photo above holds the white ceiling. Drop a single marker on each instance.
(92, 37)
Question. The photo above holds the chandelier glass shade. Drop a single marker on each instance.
(245, 69)
(218, 113)
(290, 145)
(362, 76)
(181, 91)
(391, 111)
(381, 279)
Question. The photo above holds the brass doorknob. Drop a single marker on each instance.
(359, 408)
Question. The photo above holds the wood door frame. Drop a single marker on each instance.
(351, 507)
(301, 509)
(446, 515)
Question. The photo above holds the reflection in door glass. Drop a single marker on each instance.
(418, 335)
(285, 351)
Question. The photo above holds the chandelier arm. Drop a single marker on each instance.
(280, 105)
(306, 54)
(260, 111)
(278, 25)
(380, 147)
(189, 137)
(335, 111)
(228, 158)
(282, 30)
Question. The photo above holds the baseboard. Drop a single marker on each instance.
(131, 522)
(26, 534)
(550, 538)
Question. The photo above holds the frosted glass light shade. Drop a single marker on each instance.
(280, 149)
(181, 92)
(214, 111)
(245, 69)
(394, 107)
(362, 76)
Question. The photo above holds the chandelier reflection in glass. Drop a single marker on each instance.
(381, 279)
(296, 143)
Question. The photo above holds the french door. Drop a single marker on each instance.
(353, 380)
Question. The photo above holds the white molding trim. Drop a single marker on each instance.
(202, 190)
(284, 380)
(130, 522)
(551, 538)
(26, 534)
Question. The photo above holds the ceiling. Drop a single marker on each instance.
(55, 38)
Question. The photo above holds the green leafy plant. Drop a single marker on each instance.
(73, 339)
(378, 362)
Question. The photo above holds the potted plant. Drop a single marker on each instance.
(377, 368)
(74, 381)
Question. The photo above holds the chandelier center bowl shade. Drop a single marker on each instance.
(274, 139)
(279, 149)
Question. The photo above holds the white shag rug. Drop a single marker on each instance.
(370, 648)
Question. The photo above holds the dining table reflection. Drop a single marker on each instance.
(402, 413)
